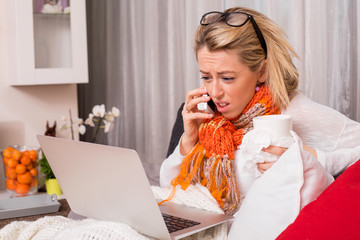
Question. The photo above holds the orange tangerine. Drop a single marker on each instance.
(30, 166)
(12, 163)
(22, 188)
(33, 172)
(7, 152)
(20, 169)
(25, 152)
(25, 178)
(25, 160)
(11, 184)
(33, 155)
(5, 161)
(11, 173)
(16, 154)
(34, 182)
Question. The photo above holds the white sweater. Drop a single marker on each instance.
(335, 137)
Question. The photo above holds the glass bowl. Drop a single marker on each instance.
(21, 169)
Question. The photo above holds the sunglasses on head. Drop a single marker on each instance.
(234, 19)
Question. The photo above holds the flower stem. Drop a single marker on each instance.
(97, 130)
(71, 125)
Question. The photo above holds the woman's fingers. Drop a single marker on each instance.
(193, 98)
(262, 167)
(195, 93)
(275, 150)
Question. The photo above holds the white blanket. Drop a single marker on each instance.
(61, 228)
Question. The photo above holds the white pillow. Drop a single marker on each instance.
(274, 199)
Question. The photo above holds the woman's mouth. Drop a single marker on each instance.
(222, 106)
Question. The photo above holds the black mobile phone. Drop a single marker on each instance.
(211, 104)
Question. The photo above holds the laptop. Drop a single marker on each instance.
(110, 183)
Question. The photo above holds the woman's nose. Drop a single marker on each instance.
(216, 90)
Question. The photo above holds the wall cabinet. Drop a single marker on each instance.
(46, 42)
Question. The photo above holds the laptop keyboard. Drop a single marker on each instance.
(174, 224)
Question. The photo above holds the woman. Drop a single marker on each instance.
(247, 71)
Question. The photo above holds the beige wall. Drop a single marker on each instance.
(24, 110)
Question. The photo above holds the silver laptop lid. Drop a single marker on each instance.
(105, 183)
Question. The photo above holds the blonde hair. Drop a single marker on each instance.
(282, 75)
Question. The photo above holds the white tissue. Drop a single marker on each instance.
(272, 201)
(251, 149)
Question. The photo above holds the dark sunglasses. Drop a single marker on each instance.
(234, 19)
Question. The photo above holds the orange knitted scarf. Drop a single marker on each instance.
(211, 163)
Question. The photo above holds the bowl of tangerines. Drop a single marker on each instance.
(21, 170)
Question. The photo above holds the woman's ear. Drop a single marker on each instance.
(263, 72)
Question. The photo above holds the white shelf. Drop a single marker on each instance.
(4, 194)
(46, 48)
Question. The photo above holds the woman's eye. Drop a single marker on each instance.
(228, 78)
(205, 78)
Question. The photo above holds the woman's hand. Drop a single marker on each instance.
(262, 167)
(192, 118)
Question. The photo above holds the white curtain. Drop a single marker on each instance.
(149, 63)
(326, 36)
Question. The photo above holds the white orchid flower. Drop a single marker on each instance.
(82, 129)
(98, 118)
(109, 117)
(115, 112)
(89, 121)
(63, 126)
(99, 110)
(79, 121)
(108, 126)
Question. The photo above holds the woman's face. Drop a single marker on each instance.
(230, 84)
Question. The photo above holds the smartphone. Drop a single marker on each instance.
(208, 107)
(211, 104)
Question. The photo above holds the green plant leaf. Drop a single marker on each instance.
(45, 168)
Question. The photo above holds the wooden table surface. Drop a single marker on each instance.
(63, 211)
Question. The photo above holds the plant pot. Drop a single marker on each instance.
(52, 186)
